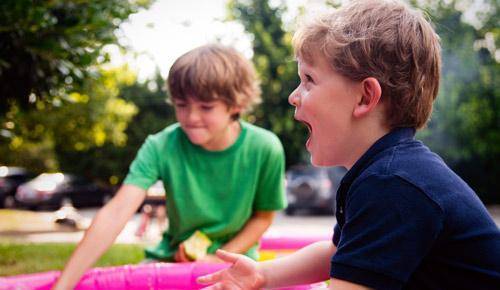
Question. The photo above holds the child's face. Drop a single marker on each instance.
(324, 101)
(206, 124)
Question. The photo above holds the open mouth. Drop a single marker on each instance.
(309, 128)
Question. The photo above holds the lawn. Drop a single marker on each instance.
(30, 258)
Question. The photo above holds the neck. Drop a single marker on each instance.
(226, 139)
(367, 136)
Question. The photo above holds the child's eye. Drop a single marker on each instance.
(207, 108)
(180, 105)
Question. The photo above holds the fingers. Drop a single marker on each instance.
(180, 255)
(227, 256)
(220, 287)
(214, 287)
(210, 278)
(176, 256)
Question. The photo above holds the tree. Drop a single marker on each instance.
(154, 114)
(274, 62)
(465, 125)
(69, 134)
(48, 48)
(59, 108)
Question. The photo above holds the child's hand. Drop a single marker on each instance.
(180, 256)
(243, 274)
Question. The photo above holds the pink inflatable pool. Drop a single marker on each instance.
(279, 242)
(150, 276)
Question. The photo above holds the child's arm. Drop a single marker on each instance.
(250, 233)
(244, 240)
(105, 227)
(308, 265)
(336, 284)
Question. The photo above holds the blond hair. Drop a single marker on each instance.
(383, 39)
(214, 72)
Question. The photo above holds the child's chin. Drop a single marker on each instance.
(315, 162)
(197, 141)
(320, 162)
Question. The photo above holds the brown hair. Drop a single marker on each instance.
(214, 72)
(383, 39)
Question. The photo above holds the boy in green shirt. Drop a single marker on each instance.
(223, 176)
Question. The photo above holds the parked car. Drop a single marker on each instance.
(10, 179)
(53, 190)
(312, 189)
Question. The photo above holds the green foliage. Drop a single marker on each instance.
(111, 162)
(154, 112)
(50, 47)
(97, 132)
(91, 129)
(465, 126)
(67, 130)
(62, 111)
(274, 62)
(16, 259)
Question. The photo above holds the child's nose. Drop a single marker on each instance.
(294, 99)
(193, 115)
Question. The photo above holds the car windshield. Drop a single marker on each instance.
(47, 181)
(11, 171)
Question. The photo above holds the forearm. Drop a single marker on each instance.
(95, 242)
(105, 227)
(251, 232)
(308, 265)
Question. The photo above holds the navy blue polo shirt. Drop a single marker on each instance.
(407, 221)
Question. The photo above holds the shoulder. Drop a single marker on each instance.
(167, 132)
(403, 158)
(412, 164)
(390, 192)
(262, 139)
(168, 135)
(425, 169)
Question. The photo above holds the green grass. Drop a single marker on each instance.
(30, 258)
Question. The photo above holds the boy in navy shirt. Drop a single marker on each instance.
(369, 74)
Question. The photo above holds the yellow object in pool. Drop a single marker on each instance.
(196, 246)
(265, 255)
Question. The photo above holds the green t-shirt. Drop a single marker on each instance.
(215, 192)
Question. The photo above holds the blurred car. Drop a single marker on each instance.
(312, 189)
(10, 179)
(53, 190)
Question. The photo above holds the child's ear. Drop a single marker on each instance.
(235, 110)
(371, 91)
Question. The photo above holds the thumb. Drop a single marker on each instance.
(227, 256)
(210, 278)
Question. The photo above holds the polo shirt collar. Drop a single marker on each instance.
(392, 138)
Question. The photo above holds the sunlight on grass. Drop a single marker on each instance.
(16, 220)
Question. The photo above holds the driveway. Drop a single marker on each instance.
(283, 225)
